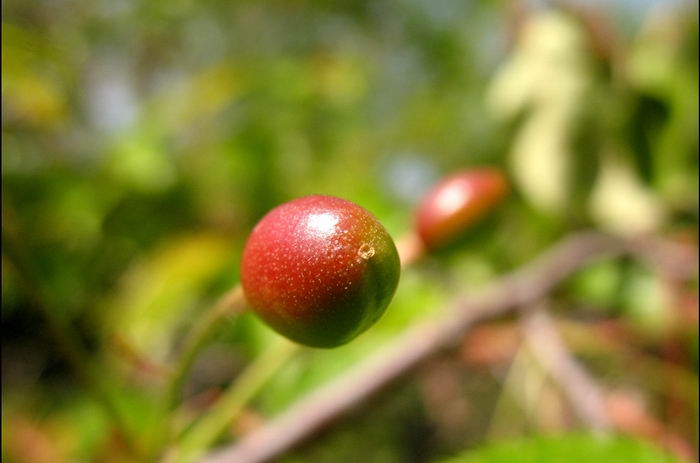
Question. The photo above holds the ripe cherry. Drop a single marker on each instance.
(319, 270)
(457, 202)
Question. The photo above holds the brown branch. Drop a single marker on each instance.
(599, 408)
(521, 288)
(580, 389)
(678, 261)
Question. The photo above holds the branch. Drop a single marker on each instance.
(521, 288)
(600, 409)
(580, 389)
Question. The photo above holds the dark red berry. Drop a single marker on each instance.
(457, 202)
(319, 270)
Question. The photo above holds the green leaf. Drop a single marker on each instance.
(598, 285)
(579, 448)
(149, 304)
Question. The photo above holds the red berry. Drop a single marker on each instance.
(457, 202)
(319, 270)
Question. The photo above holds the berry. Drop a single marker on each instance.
(319, 270)
(456, 203)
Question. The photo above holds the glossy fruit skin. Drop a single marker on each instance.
(456, 203)
(319, 270)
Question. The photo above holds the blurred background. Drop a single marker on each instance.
(142, 140)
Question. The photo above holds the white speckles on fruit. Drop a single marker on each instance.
(306, 270)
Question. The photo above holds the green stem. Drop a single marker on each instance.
(232, 303)
(230, 405)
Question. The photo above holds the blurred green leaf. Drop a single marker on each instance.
(150, 305)
(647, 304)
(621, 203)
(546, 78)
(598, 285)
(137, 161)
(579, 448)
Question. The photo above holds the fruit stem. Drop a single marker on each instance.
(410, 249)
(230, 304)
(233, 401)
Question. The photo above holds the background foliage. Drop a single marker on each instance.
(143, 140)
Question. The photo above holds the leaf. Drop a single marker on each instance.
(547, 76)
(598, 285)
(29, 85)
(579, 448)
(620, 202)
(648, 307)
(149, 305)
(139, 162)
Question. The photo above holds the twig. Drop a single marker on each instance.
(600, 409)
(580, 389)
(521, 288)
(679, 261)
(230, 304)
